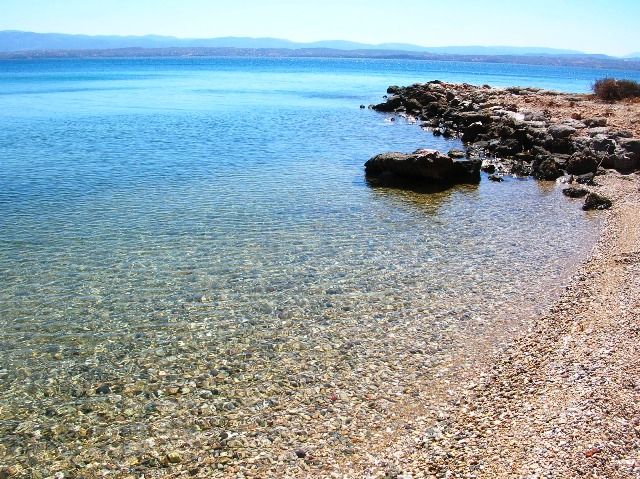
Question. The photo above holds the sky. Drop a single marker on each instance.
(592, 26)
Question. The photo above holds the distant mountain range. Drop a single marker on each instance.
(17, 44)
(19, 41)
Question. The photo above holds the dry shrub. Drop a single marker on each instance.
(610, 89)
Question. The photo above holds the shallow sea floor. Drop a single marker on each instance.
(300, 341)
(195, 276)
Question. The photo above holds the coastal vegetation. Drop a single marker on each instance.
(610, 89)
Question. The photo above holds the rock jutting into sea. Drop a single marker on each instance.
(519, 131)
(422, 165)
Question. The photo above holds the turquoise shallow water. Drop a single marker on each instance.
(132, 186)
(177, 208)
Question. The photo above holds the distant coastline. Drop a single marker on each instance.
(570, 60)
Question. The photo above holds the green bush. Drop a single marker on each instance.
(610, 89)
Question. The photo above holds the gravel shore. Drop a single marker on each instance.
(561, 399)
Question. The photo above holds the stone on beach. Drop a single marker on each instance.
(594, 201)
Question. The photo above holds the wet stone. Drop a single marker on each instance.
(103, 389)
(574, 192)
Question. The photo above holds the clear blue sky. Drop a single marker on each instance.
(595, 26)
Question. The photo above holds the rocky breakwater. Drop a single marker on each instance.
(521, 131)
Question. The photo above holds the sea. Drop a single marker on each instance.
(168, 216)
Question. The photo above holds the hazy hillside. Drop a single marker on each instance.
(14, 41)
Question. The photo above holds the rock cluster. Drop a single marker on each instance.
(522, 141)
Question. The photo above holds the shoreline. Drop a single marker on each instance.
(561, 399)
(558, 398)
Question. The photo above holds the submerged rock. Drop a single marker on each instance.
(548, 170)
(574, 192)
(423, 166)
(103, 389)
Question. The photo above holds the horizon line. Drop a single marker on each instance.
(631, 54)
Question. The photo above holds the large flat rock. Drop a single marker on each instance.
(423, 166)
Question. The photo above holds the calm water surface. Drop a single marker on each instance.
(147, 200)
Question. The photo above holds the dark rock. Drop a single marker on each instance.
(427, 97)
(561, 131)
(598, 131)
(574, 123)
(595, 122)
(504, 131)
(362, 107)
(574, 192)
(508, 148)
(536, 117)
(581, 163)
(467, 118)
(622, 134)
(472, 131)
(625, 161)
(595, 201)
(413, 106)
(448, 132)
(602, 144)
(519, 168)
(630, 145)
(497, 178)
(561, 160)
(489, 168)
(586, 179)
(454, 153)
(548, 170)
(428, 166)
(390, 105)
(436, 108)
(562, 146)
(578, 145)
(300, 453)
(103, 389)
